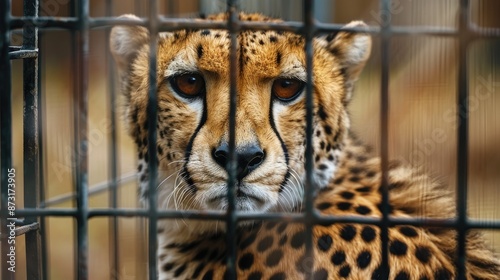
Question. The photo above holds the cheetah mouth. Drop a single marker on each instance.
(240, 195)
(244, 200)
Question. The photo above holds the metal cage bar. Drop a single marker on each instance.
(80, 23)
(309, 188)
(385, 42)
(231, 221)
(6, 132)
(462, 138)
(80, 111)
(152, 115)
(113, 158)
(31, 140)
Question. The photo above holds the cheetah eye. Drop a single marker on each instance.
(188, 85)
(287, 89)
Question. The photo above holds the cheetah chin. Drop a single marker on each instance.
(193, 151)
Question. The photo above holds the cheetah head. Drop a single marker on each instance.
(193, 111)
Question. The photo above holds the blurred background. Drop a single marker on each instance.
(423, 86)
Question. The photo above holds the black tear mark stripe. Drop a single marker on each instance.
(185, 171)
(283, 146)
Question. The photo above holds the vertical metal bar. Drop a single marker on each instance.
(385, 25)
(462, 141)
(41, 144)
(232, 164)
(309, 164)
(152, 115)
(113, 160)
(30, 140)
(6, 130)
(81, 137)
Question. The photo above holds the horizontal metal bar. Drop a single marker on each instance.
(44, 22)
(95, 189)
(22, 54)
(27, 228)
(24, 229)
(170, 24)
(288, 217)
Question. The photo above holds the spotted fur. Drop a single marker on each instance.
(192, 175)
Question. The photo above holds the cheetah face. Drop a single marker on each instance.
(193, 111)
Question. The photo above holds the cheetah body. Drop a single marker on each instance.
(193, 130)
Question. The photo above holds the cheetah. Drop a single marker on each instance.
(193, 89)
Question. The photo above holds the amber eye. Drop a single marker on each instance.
(287, 89)
(188, 85)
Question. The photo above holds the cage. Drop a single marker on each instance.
(427, 97)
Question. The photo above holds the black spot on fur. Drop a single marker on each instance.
(395, 185)
(338, 180)
(364, 189)
(348, 232)
(208, 275)
(442, 274)
(323, 167)
(274, 258)
(325, 242)
(338, 258)
(368, 234)
(278, 58)
(328, 129)
(331, 36)
(356, 170)
(347, 194)
(283, 240)
(335, 51)
(324, 205)
(398, 248)
(205, 32)
(344, 206)
(322, 145)
(261, 42)
(298, 239)
(188, 246)
(345, 271)
(321, 113)
(423, 254)
(363, 210)
(278, 276)
(402, 275)
(246, 261)
(270, 225)
(247, 241)
(378, 274)
(363, 260)
(201, 254)
(265, 243)
(198, 270)
(180, 270)
(273, 39)
(255, 276)
(168, 266)
(408, 231)
(282, 227)
(199, 51)
(354, 179)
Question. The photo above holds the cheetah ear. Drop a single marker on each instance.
(125, 41)
(351, 49)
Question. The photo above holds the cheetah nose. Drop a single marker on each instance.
(249, 157)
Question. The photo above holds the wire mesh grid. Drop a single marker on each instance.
(30, 220)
